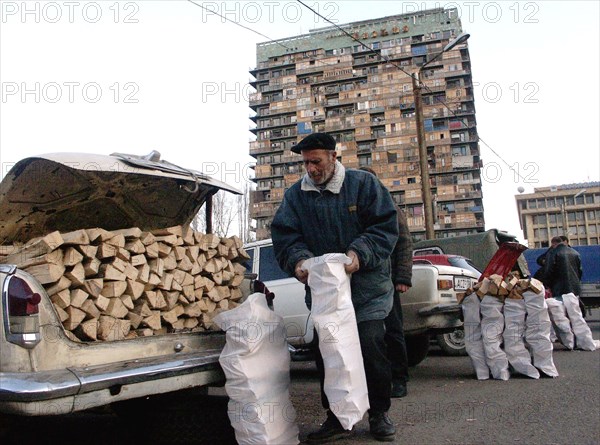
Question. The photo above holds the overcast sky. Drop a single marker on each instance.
(111, 76)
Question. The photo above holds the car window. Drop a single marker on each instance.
(269, 269)
(464, 263)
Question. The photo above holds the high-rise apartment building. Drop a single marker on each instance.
(361, 93)
(572, 210)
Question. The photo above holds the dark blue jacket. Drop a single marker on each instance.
(362, 218)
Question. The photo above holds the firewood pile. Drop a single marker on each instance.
(113, 285)
(512, 287)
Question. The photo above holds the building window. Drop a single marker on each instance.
(364, 160)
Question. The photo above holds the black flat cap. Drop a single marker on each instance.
(315, 141)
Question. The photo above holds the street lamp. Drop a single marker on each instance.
(425, 186)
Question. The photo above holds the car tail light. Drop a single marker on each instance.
(445, 284)
(20, 303)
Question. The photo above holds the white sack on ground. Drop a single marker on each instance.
(583, 334)
(473, 340)
(492, 326)
(514, 345)
(537, 332)
(256, 363)
(333, 314)
(560, 322)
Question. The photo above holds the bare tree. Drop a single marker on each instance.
(243, 207)
(224, 213)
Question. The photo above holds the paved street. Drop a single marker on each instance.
(445, 406)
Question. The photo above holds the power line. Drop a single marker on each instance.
(364, 45)
(423, 85)
(240, 25)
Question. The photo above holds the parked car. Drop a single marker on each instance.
(430, 307)
(452, 343)
(43, 371)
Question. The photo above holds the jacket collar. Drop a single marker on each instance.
(334, 185)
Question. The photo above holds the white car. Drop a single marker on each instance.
(429, 308)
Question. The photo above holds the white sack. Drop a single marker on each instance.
(514, 345)
(492, 327)
(256, 363)
(560, 322)
(537, 332)
(583, 334)
(473, 340)
(333, 314)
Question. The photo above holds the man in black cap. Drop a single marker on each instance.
(334, 210)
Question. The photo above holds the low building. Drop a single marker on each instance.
(572, 210)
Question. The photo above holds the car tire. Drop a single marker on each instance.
(452, 343)
(417, 347)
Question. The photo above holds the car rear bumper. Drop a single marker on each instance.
(23, 388)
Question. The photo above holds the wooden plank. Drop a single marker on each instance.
(36, 247)
(90, 309)
(110, 273)
(61, 299)
(153, 321)
(62, 283)
(138, 260)
(135, 319)
(116, 308)
(135, 246)
(127, 301)
(77, 237)
(106, 251)
(142, 309)
(54, 257)
(193, 309)
(170, 262)
(76, 275)
(72, 256)
(76, 316)
(152, 250)
(147, 238)
(185, 264)
(91, 267)
(134, 288)
(97, 235)
(93, 286)
(46, 273)
(132, 232)
(101, 302)
(89, 329)
(88, 251)
(78, 297)
(174, 230)
(171, 240)
(112, 289)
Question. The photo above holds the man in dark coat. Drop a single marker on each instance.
(562, 270)
(334, 210)
(394, 322)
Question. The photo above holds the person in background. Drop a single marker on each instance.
(334, 210)
(562, 269)
(402, 279)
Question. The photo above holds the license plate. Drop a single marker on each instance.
(461, 283)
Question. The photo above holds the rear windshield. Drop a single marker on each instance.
(464, 263)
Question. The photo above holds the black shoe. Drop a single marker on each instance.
(330, 430)
(398, 390)
(382, 428)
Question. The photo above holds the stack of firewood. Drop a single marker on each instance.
(112, 285)
(511, 287)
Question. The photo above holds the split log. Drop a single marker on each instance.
(77, 237)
